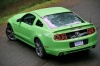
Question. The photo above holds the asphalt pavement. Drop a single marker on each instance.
(17, 53)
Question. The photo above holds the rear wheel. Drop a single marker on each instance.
(10, 33)
(40, 49)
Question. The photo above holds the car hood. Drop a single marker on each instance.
(75, 27)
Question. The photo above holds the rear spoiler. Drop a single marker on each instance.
(71, 27)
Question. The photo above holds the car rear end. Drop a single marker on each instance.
(73, 39)
(70, 33)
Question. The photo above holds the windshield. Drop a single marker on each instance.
(61, 19)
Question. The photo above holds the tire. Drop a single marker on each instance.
(40, 49)
(10, 32)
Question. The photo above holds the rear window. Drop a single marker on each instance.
(61, 19)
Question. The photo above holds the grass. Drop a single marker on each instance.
(42, 5)
(13, 6)
(22, 9)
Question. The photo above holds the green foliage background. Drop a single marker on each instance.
(8, 7)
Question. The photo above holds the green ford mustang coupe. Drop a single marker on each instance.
(56, 31)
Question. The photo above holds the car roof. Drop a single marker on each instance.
(51, 10)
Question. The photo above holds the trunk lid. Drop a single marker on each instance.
(72, 28)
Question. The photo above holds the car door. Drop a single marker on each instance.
(25, 27)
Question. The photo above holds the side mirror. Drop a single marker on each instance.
(19, 20)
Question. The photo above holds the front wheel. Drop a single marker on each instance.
(10, 33)
(40, 49)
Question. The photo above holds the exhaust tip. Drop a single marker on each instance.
(61, 54)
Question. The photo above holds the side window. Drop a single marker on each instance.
(39, 23)
(28, 19)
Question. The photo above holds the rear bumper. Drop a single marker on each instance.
(57, 47)
(70, 50)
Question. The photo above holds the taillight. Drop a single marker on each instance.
(60, 37)
(90, 30)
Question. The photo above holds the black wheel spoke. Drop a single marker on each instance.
(9, 31)
(40, 51)
(11, 35)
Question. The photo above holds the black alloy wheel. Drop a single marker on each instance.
(40, 49)
(10, 33)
